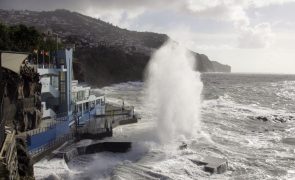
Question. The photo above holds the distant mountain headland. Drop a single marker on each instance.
(104, 53)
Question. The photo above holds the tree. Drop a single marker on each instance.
(5, 42)
(25, 39)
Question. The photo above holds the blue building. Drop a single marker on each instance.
(56, 80)
(65, 102)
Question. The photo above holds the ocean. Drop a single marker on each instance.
(243, 118)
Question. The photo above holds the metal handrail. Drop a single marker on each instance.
(44, 129)
(116, 118)
(51, 144)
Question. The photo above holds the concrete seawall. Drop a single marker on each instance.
(68, 153)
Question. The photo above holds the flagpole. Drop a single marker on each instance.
(49, 58)
(37, 59)
(43, 58)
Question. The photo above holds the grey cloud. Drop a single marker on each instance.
(233, 11)
(80, 4)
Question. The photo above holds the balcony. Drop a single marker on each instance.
(47, 88)
(48, 68)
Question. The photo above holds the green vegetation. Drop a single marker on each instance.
(24, 39)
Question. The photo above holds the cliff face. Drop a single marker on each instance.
(22, 104)
(21, 110)
(104, 53)
(221, 67)
(104, 66)
(205, 65)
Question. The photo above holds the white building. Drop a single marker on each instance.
(56, 81)
(85, 102)
(62, 96)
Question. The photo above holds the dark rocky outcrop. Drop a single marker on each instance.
(103, 66)
(25, 165)
(21, 110)
(220, 67)
(22, 103)
(274, 118)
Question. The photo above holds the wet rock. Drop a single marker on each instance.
(52, 177)
(280, 119)
(274, 118)
(262, 118)
(183, 146)
(25, 165)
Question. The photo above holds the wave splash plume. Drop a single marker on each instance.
(174, 89)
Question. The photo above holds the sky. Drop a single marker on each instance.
(250, 35)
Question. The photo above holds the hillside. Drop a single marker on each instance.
(104, 53)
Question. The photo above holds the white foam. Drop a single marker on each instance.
(56, 167)
(174, 89)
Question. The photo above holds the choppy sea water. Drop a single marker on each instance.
(231, 104)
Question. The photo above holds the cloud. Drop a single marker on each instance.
(234, 11)
(259, 36)
(119, 17)
(123, 12)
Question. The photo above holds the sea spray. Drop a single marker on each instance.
(174, 90)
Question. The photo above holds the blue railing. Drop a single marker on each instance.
(82, 119)
(51, 144)
(41, 137)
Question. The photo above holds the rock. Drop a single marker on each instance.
(262, 118)
(25, 165)
(274, 118)
(213, 164)
(52, 177)
(183, 146)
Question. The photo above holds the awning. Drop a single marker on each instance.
(13, 61)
